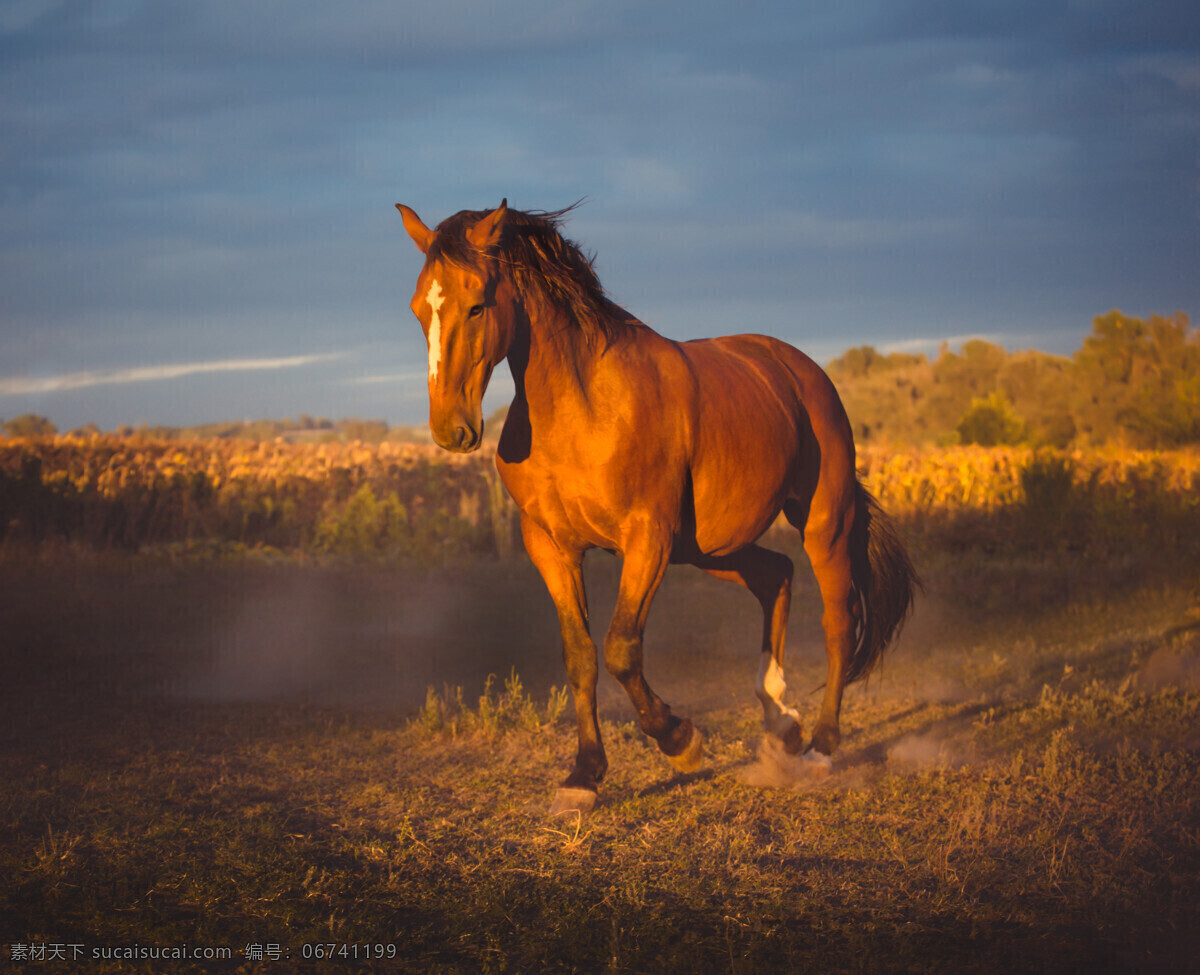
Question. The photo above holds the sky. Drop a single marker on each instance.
(197, 216)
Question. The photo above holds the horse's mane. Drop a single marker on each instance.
(542, 261)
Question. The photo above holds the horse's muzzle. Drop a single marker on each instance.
(461, 438)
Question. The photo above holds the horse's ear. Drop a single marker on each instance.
(486, 233)
(422, 236)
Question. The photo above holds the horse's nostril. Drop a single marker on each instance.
(464, 437)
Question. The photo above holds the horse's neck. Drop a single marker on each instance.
(555, 364)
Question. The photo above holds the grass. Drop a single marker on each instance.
(1018, 790)
(512, 709)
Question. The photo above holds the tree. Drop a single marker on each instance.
(29, 425)
(1039, 387)
(866, 360)
(1140, 379)
(1116, 345)
(1167, 417)
(856, 362)
(991, 421)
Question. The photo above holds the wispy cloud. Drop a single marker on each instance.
(933, 344)
(393, 377)
(24, 385)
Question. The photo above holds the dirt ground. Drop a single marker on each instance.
(225, 751)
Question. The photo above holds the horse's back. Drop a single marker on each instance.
(767, 419)
(760, 382)
(775, 361)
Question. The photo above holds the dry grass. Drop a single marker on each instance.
(389, 501)
(216, 496)
(1019, 790)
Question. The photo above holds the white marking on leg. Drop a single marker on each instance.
(777, 716)
(435, 299)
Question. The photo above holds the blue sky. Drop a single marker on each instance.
(197, 197)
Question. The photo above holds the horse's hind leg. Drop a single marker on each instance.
(827, 544)
(768, 575)
(645, 565)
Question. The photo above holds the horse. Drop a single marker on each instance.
(660, 452)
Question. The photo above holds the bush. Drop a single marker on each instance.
(991, 422)
(366, 527)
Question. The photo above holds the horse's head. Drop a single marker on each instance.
(466, 310)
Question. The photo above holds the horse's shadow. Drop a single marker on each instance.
(947, 728)
(854, 763)
(677, 782)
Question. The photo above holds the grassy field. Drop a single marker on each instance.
(243, 754)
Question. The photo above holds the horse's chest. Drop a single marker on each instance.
(572, 502)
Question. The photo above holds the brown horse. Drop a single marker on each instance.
(660, 451)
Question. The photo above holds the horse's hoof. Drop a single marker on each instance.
(816, 763)
(825, 740)
(571, 800)
(792, 738)
(692, 757)
(775, 768)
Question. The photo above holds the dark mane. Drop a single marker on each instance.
(543, 263)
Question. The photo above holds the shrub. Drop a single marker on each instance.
(991, 422)
(366, 527)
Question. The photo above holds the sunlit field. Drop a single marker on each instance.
(288, 745)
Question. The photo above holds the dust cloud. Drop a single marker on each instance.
(1177, 664)
(303, 636)
(369, 638)
(378, 637)
(929, 749)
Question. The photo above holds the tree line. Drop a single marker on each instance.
(1133, 381)
(303, 430)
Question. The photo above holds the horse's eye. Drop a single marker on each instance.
(476, 311)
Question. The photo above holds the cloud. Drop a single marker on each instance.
(932, 344)
(394, 377)
(24, 385)
(187, 182)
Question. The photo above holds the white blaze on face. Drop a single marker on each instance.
(435, 299)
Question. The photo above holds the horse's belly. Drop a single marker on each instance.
(729, 521)
(738, 492)
(750, 429)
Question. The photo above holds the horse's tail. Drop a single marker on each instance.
(884, 579)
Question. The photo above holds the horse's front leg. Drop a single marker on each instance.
(645, 565)
(563, 575)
